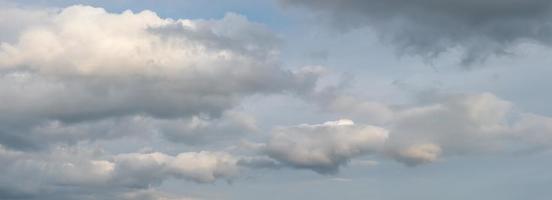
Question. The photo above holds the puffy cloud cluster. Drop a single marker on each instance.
(85, 171)
(452, 125)
(478, 28)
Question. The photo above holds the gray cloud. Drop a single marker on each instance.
(477, 28)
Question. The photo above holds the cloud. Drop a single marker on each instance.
(464, 124)
(197, 130)
(478, 28)
(73, 171)
(83, 64)
(25, 17)
(324, 147)
(452, 125)
(152, 195)
(335, 99)
(418, 154)
(193, 131)
(448, 125)
(200, 167)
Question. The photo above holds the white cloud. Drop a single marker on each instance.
(324, 147)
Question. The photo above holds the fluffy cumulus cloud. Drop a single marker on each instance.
(44, 175)
(478, 28)
(84, 64)
(324, 147)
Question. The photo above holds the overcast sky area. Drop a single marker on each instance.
(275, 99)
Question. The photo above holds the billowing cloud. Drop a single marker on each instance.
(324, 147)
(478, 28)
(83, 64)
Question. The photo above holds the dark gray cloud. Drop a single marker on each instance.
(477, 28)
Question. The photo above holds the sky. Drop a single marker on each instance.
(275, 99)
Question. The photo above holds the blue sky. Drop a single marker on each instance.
(276, 99)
